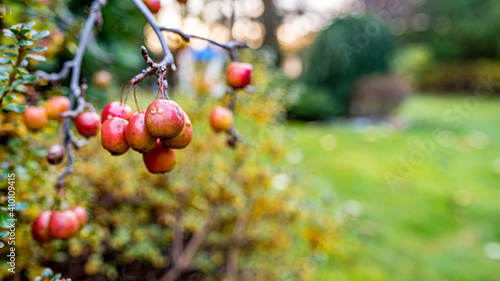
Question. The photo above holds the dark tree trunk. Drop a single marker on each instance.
(271, 20)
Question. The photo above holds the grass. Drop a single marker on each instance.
(435, 220)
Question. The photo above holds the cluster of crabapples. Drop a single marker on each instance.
(163, 127)
(156, 132)
(59, 224)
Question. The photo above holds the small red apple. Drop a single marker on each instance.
(56, 105)
(160, 159)
(116, 109)
(63, 224)
(102, 79)
(184, 138)
(88, 123)
(113, 135)
(239, 74)
(40, 229)
(137, 135)
(55, 154)
(153, 5)
(221, 119)
(35, 117)
(81, 214)
(164, 119)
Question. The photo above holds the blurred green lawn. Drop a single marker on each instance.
(435, 224)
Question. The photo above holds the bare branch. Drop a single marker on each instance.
(231, 46)
(54, 77)
(187, 255)
(178, 239)
(69, 169)
(168, 58)
(238, 236)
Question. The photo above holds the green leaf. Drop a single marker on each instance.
(4, 234)
(24, 63)
(19, 206)
(37, 49)
(15, 107)
(22, 70)
(38, 278)
(9, 34)
(40, 35)
(4, 76)
(9, 54)
(35, 57)
(9, 98)
(4, 60)
(10, 46)
(29, 25)
(1, 245)
(4, 89)
(4, 220)
(17, 83)
(25, 43)
(15, 31)
(29, 78)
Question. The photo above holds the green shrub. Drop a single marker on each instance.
(462, 76)
(347, 50)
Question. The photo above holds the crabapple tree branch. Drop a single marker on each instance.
(168, 59)
(75, 97)
(230, 46)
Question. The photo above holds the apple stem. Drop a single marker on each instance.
(135, 98)
(123, 90)
(126, 98)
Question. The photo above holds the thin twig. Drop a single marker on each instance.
(54, 77)
(237, 240)
(69, 169)
(194, 243)
(230, 46)
(168, 58)
(178, 239)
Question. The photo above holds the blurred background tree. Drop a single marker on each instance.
(347, 50)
